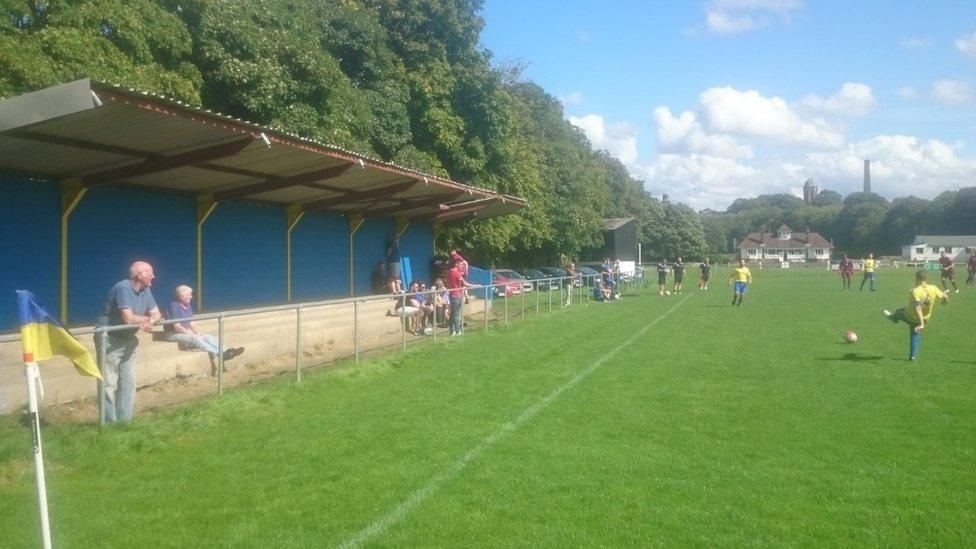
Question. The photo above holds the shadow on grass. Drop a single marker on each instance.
(963, 362)
(852, 357)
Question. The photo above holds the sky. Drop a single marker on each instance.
(712, 100)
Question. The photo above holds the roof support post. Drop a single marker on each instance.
(355, 222)
(205, 206)
(72, 191)
(295, 214)
(402, 224)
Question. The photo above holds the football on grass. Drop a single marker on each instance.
(850, 336)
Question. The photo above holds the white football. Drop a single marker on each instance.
(667, 293)
(850, 336)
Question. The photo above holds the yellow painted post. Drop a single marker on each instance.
(72, 191)
(295, 214)
(401, 226)
(355, 222)
(205, 207)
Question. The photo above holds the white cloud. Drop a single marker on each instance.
(749, 114)
(698, 180)
(966, 44)
(915, 42)
(853, 99)
(683, 134)
(907, 93)
(953, 93)
(737, 16)
(900, 165)
(572, 99)
(618, 138)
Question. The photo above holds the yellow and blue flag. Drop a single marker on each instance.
(45, 337)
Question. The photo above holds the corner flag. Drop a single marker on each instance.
(44, 337)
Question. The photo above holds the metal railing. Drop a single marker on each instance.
(570, 290)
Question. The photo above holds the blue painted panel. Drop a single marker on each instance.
(30, 245)
(244, 256)
(320, 257)
(370, 248)
(111, 228)
(417, 243)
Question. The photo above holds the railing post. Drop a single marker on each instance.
(220, 355)
(298, 344)
(355, 329)
(506, 305)
(550, 295)
(488, 290)
(102, 348)
(537, 299)
(522, 304)
(403, 325)
(433, 328)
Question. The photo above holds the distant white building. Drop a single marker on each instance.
(785, 245)
(930, 247)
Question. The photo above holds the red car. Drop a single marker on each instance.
(510, 284)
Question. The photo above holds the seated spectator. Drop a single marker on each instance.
(418, 322)
(185, 333)
(394, 285)
(442, 302)
(408, 309)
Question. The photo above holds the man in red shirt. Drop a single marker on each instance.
(456, 284)
(846, 271)
(972, 268)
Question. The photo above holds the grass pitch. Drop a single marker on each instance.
(650, 421)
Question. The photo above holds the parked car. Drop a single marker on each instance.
(588, 274)
(557, 272)
(535, 274)
(509, 286)
(512, 275)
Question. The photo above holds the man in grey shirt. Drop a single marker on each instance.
(129, 302)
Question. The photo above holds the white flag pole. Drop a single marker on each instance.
(33, 389)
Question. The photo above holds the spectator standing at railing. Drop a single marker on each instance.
(456, 284)
(571, 276)
(129, 302)
(186, 333)
(462, 265)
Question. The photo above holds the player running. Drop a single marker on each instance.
(921, 301)
(972, 268)
(869, 265)
(704, 271)
(846, 271)
(679, 275)
(662, 275)
(741, 277)
(948, 271)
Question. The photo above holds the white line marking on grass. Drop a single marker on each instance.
(395, 515)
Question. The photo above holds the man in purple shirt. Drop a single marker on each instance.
(185, 333)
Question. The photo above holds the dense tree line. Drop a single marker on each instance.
(402, 80)
(406, 81)
(859, 223)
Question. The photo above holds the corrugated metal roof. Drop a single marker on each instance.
(612, 224)
(945, 240)
(101, 133)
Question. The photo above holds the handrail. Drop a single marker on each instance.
(293, 306)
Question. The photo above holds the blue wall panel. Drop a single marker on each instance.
(244, 256)
(320, 257)
(30, 240)
(111, 228)
(417, 243)
(370, 248)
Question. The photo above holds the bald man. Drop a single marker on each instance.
(130, 302)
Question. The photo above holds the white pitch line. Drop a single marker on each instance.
(395, 515)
